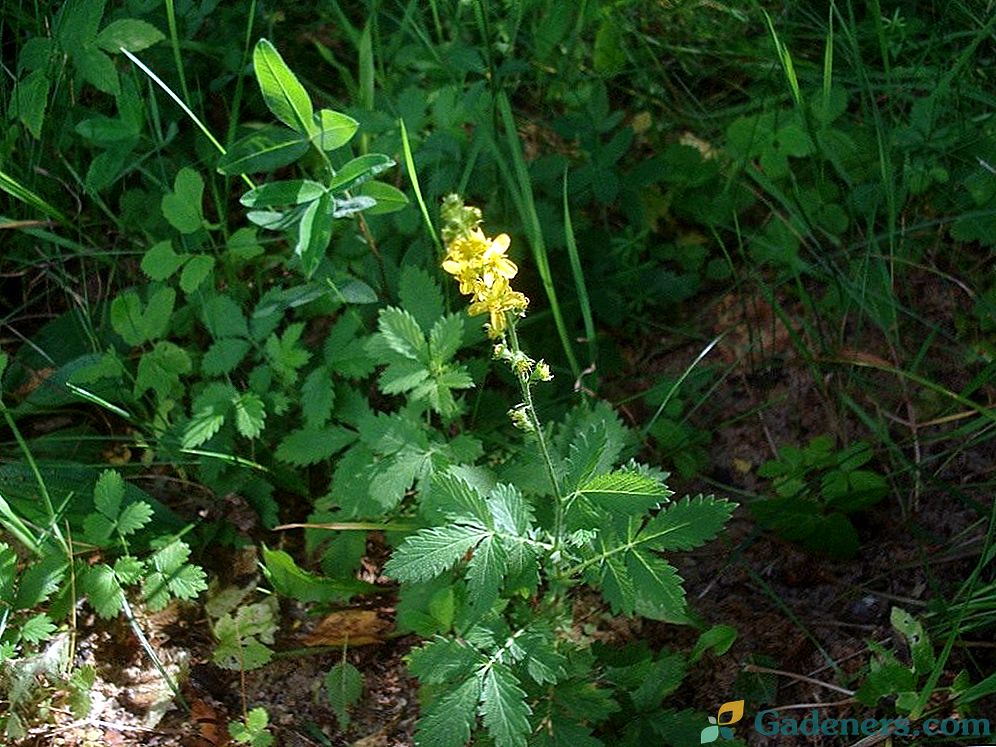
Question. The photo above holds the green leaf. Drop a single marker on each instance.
(718, 639)
(128, 569)
(137, 325)
(344, 685)
(687, 523)
(224, 356)
(624, 491)
(266, 149)
(311, 445)
(223, 318)
(334, 129)
(182, 207)
(343, 208)
(173, 576)
(420, 295)
(161, 261)
(76, 23)
(359, 170)
(484, 574)
(206, 422)
(108, 492)
(457, 497)
(445, 338)
(660, 595)
(443, 660)
(389, 199)
(589, 455)
(28, 101)
(282, 91)
(505, 707)
(402, 376)
(512, 515)
(314, 233)
(402, 334)
(345, 353)
(429, 552)
(447, 722)
(288, 579)
(135, 516)
(250, 415)
(130, 33)
(160, 369)
(281, 193)
(98, 70)
(195, 272)
(317, 398)
(37, 628)
(103, 590)
(8, 571)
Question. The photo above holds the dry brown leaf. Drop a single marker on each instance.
(350, 627)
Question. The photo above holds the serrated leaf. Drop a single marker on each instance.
(223, 317)
(40, 579)
(457, 497)
(660, 595)
(512, 515)
(265, 149)
(98, 529)
(8, 571)
(334, 129)
(402, 334)
(195, 272)
(447, 722)
(312, 445)
(587, 457)
(182, 207)
(282, 91)
(484, 574)
(137, 324)
(103, 590)
(160, 369)
(250, 415)
(624, 491)
(317, 398)
(429, 552)
(37, 628)
(445, 338)
(421, 296)
(129, 33)
(128, 569)
(108, 492)
(344, 685)
(134, 516)
(345, 353)
(161, 261)
(204, 424)
(224, 356)
(402, 376)
(505, 707)
(687, 523)
(443, 660)
(98, 70)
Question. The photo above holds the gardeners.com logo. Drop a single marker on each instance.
(719, 725)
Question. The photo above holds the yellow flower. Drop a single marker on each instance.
(481, 266)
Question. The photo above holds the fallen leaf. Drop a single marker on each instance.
(350, 627)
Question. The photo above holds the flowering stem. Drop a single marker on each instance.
(527, 397)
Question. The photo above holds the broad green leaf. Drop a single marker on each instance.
(277, 194)
(334, 129)
(359, 170)
(353, 290)
(617, 585)
(76, 24)
(624, 491)
(98, 70)
(686, 524)
(108, 492)
(484, 574)
(159, 312)
(128, 569)
(402, 334)
(457, 497)
(137, 325)
(28, 101)
(343, 208)
(129, 33)
(421, 296)
(429, 552)
(40, 579)
(37, 628)
(250, 415)
(282, 91)
(160, 369)
(512, 515)
(314, 233)
(402, 376)
(103, 590)
(224, 356)
(317, 397)
(505, 707)
(195, 272)
(135, 516)
(444, 659)
(589, 455)
(290, 580)
(344, 685)
(447, 722)
(161, 261)
(389, 199)
(718, 638)
(204, 424)
(223, 318)
(182, 207)
(659, 592)
(312, 445)
(445, 338)
(345, 353)
(266, 149)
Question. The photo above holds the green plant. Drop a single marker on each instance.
(817, 488)
(518, 555)
(253, 729)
